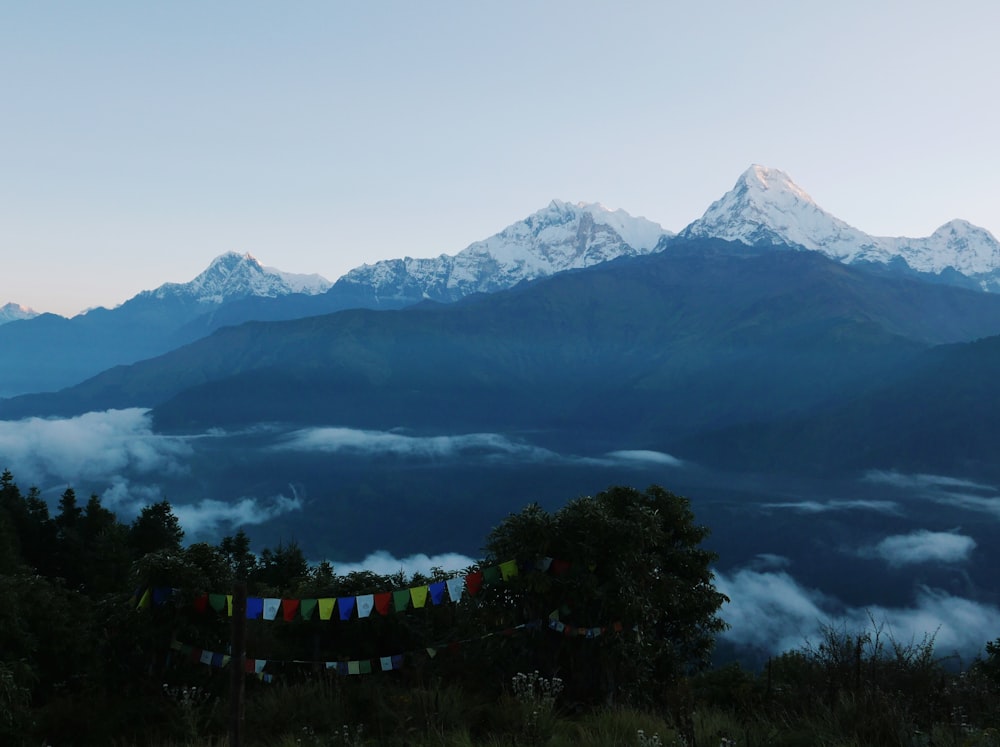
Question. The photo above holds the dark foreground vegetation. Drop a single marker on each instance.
(593, 625)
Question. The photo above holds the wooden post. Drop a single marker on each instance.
(238, 664)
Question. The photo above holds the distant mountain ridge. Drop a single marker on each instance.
(13, 312)
(767, 207)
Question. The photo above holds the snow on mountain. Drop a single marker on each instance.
(767, 207)
(13, 312)
(232, 276)
(562, 236)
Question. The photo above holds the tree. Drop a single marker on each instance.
(634, 558)
(155, 528)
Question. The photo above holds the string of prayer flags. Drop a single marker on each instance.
(289, 610)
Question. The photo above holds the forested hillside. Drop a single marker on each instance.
(582, 625)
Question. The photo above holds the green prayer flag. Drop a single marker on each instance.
(307, 607)
(401, 599)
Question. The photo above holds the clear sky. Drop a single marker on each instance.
(140, 140)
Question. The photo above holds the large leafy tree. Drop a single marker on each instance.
(634, 558)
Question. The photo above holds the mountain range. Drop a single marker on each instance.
(764, 320)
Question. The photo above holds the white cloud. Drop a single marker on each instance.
(92, 446)
(922, 546)
(385, 564)
(771, 612)
(206, 515)
(352, 441)
(644, 456)
(901, 480)
(816, 507)
(949, 491)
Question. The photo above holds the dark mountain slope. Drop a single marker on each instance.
(941, 415)
(646, 350)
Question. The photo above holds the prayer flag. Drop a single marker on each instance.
(255, 607)
(217, 602)
(382, 602)
(307, 607)
(366, 604)
(386, 662)
(326, 608)
(474, 582)
(401, 599)
(229, 604)
(206, 657)
(259, 665)
(346, 606)
(491, 575)
(397, 661)
(144, 600)
(455, 588)
(365, 666)
(271, 606)
(288, 608)
(354, 667)
(419, 595)
(437, 592)
(161, 594)
(201, 603)
(508, 570)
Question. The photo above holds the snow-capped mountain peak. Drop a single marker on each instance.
(561, 236)
(767, 207)
(233, 275)
(13, 312)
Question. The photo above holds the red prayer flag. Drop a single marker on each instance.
(289, 609)
(559, 567)
(201, 603)
(474, 582)
(383, 602)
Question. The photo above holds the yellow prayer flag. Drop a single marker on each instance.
(326, 608)
(508, 569)
(229, 604)
(419, 596)
(144, 600)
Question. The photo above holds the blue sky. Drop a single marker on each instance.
(138, 141)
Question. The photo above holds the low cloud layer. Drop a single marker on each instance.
(948, 491)
(922, 546)
(817, 507)
(209, 516)
(642, 456)
(93, 446)
(771, 612)
(370, 443)
(386, 564)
